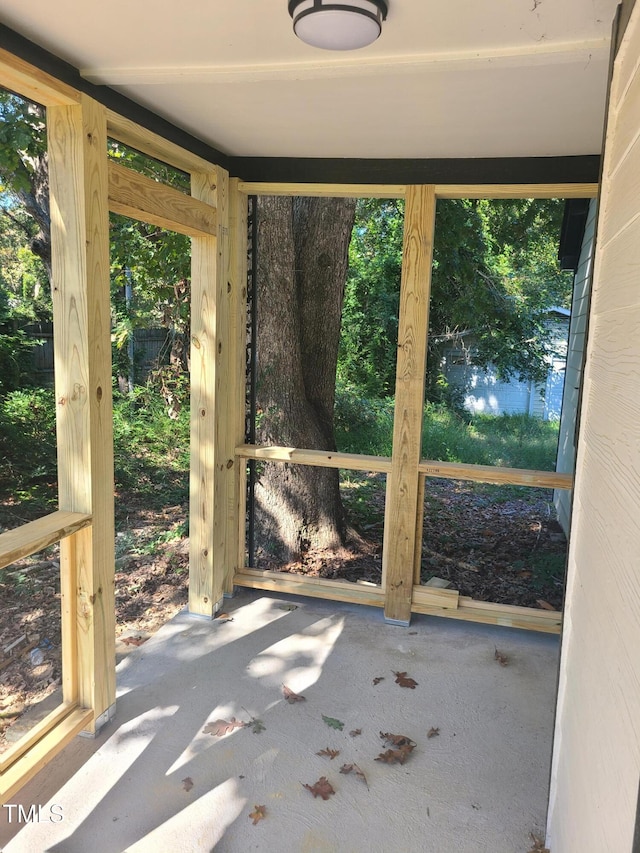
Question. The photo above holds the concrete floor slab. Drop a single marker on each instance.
(480, 785)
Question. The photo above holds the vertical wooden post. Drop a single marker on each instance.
(402, 483)
(211, 432)
(237, 297)
(77, 138)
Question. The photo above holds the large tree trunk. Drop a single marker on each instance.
(302, 259)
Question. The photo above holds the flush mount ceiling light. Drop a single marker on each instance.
(338, 26)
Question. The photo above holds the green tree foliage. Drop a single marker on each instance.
(495, 275)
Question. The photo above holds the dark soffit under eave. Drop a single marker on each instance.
(481, 170)
(498, 170)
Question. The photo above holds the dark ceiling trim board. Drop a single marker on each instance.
(509, 170)
(495, 170)
(61, 70)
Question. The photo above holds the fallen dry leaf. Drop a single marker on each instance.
(224, 617)
(290, 696)
(404, 681)
(333, 723)
(221, 727)
(330, 753)
(349, 768)
(502, 659)
(355, 732)
(187, 783)
(544, 604)
(391, 756)
(258, 813)
(397, 740)
(322, 788)
(378, 679)
(433, 731)
(538, 844)
(134, 641)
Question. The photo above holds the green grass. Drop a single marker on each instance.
(513, 441)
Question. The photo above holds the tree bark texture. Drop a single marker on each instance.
(302, 260)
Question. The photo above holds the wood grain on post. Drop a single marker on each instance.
(402, 483)
(209, 420)
(77, 140)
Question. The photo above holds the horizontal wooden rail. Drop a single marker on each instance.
(577, 190)
(324, 190)
(499, 476)
(382, 464)
(144, 199)
(490, 613)
(429, 601)
(39, 534)
(32, 83)
(320, 458)
(293, 584)
(33, 735)
(47, 746)
(516, 190)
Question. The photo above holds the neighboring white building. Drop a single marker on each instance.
(485, 393)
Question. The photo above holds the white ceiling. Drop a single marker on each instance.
(447, 78)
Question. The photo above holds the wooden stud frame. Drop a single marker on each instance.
(400, 593)
(85, 185)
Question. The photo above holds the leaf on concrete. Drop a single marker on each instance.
(224, 617)
(321, 788)
(433, 731)
(502, 659)
(353, 768)
(330, 753)
(397, 740)
(333, 723)
(134, 641)
(287, 607)
(256, 726)
(378, 679)
(290, 696)
(258, 813)
(404, 681)
(221, 727)
(355, 732)
(391, 756)
(538, 844)
(187, 783)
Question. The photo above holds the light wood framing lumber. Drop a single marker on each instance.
(146, 200)
(516, 190)
(212, 438)
(77, 138)
(291, 584)
(320, 458)
(325, 190)
(402, 484)
(46, 748)
(494, 474)
(236, 296)
(39, 534)
(417, 557)
(489, 613)
(25, 79)
(33, 735)
(568, 190)
(135, 136)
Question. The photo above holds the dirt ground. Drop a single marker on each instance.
(491, 544)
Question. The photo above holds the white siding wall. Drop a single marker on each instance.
(577, 329)
(596, 758)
